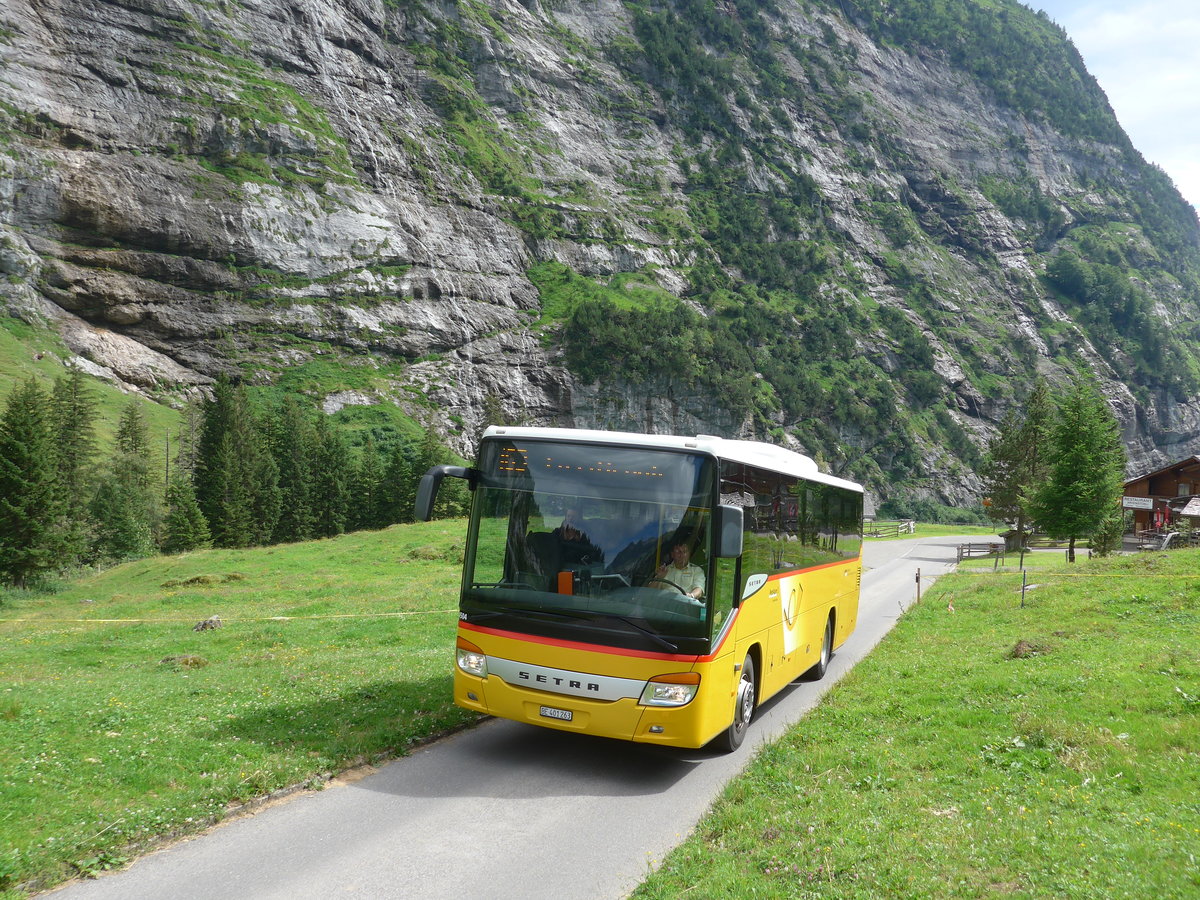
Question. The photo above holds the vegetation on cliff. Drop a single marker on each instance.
(860, 229)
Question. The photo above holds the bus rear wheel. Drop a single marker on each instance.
(743, 709)
(817, 672)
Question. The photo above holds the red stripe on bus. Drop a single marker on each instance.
(591, 648)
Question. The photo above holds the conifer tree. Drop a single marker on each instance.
(73, 414)
(236, 480)
(226, 504)
(331, 481)
(491, 414)
(398, 492)
(125, 509)
(133, 434)
(185, 528)
(1017, 458)
(265, 498)
(453, 498)
(293, 445)
(27, 486)
(367, 508)
(187, 444)
(1086, 466)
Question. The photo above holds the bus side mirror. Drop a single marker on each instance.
(428, 488)
(729, 532)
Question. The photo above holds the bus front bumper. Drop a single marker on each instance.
(624, 719)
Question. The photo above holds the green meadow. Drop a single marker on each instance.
(121, 725)
(1050, 750)
(985, 749)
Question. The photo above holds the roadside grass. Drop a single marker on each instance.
(1013, 562)
(116, 734)
(925, 529)
(1050, 751)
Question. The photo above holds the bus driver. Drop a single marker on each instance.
(681, 572)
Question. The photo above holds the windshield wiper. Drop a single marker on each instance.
(654, 635)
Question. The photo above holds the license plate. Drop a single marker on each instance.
(551, 713)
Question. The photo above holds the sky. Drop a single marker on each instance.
(1146, 56)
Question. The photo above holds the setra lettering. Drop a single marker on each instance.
(572, 684)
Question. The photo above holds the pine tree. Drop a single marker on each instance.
(121, 529)
(491, 414)
(453, 498)
(133, 435)
(27, 486)
(398, 492)
(266, 501)
(293, 441)
(185, 528)
(228, 508)
(73, 413)
(125, 509)
(1016, 459)
(367, 508)
(187, 444)
(1086, 466)
(331, 481)
(236, 480)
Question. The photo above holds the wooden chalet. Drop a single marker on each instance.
(1160, 497)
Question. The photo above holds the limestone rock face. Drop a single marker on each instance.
(189, 189)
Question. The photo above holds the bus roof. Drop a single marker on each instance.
(752, 453)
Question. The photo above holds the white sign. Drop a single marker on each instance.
(1137, 502)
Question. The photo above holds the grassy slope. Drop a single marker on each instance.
(114, 733)
(20, 344)
(1049, 751)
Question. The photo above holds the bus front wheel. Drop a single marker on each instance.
(743, 709)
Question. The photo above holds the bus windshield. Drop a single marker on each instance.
(597, 544)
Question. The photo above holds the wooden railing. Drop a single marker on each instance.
(889, 529)
(965, 551)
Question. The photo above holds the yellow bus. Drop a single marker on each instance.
(647, 587)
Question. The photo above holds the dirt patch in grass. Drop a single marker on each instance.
(1025, 649)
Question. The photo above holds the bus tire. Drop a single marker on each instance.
(743, 709)
(817, 672)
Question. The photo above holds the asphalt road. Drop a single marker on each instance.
(502, 810)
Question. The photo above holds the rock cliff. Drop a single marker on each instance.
(868, 239)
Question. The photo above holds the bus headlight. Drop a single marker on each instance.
(671, 690)
(471, 659)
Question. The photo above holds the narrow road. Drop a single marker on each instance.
(503, 810)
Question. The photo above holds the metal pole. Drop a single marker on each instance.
(1024, 578)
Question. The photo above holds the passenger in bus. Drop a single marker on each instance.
(681, 571)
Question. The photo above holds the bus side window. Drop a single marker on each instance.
(724, 590)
